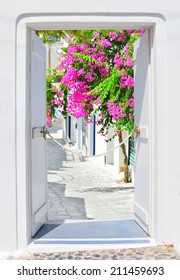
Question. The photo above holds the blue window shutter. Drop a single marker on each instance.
(131, 151)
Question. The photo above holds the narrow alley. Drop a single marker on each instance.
(82, 188)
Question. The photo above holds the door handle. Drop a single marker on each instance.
(39, 132)
(137, 131)
(141, 132)
(44, 131)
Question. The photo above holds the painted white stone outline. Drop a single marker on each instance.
(156, 23)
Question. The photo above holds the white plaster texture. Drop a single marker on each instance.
(165, 17)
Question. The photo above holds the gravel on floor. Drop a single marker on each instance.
(147, 253)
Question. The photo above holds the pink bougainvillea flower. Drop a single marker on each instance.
(66, 62)
(104, 43)
(113, 35)
(73, 49)
(81, 72)
(83, 47)
(126, 81)
(128, 62)
(142, 31)
(85, 66)
(126, 49)
(130, 116)
(48, 121)
(118, 60)
(115, 110)
(130, 102)
(96, 36)
(89, 77)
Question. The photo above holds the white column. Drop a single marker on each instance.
(80, 134)
(90, 138)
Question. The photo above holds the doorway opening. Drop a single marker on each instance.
(156, 25)
(58, 182)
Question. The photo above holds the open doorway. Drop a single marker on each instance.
(139, 211)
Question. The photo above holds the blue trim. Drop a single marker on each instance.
(69, 127)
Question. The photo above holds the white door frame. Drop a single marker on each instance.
(158, 217)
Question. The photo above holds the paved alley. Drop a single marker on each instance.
(84, 189)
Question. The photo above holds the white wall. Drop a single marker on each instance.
(54, 53)
(89, 138)
(100, 144)
(110, 145)
(14, 232)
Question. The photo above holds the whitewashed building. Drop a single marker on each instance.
(22, 79)
(88, 140)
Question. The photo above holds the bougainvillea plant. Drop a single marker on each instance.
(96, 77)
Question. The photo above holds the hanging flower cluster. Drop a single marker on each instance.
(116, 110)
(97, 77)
